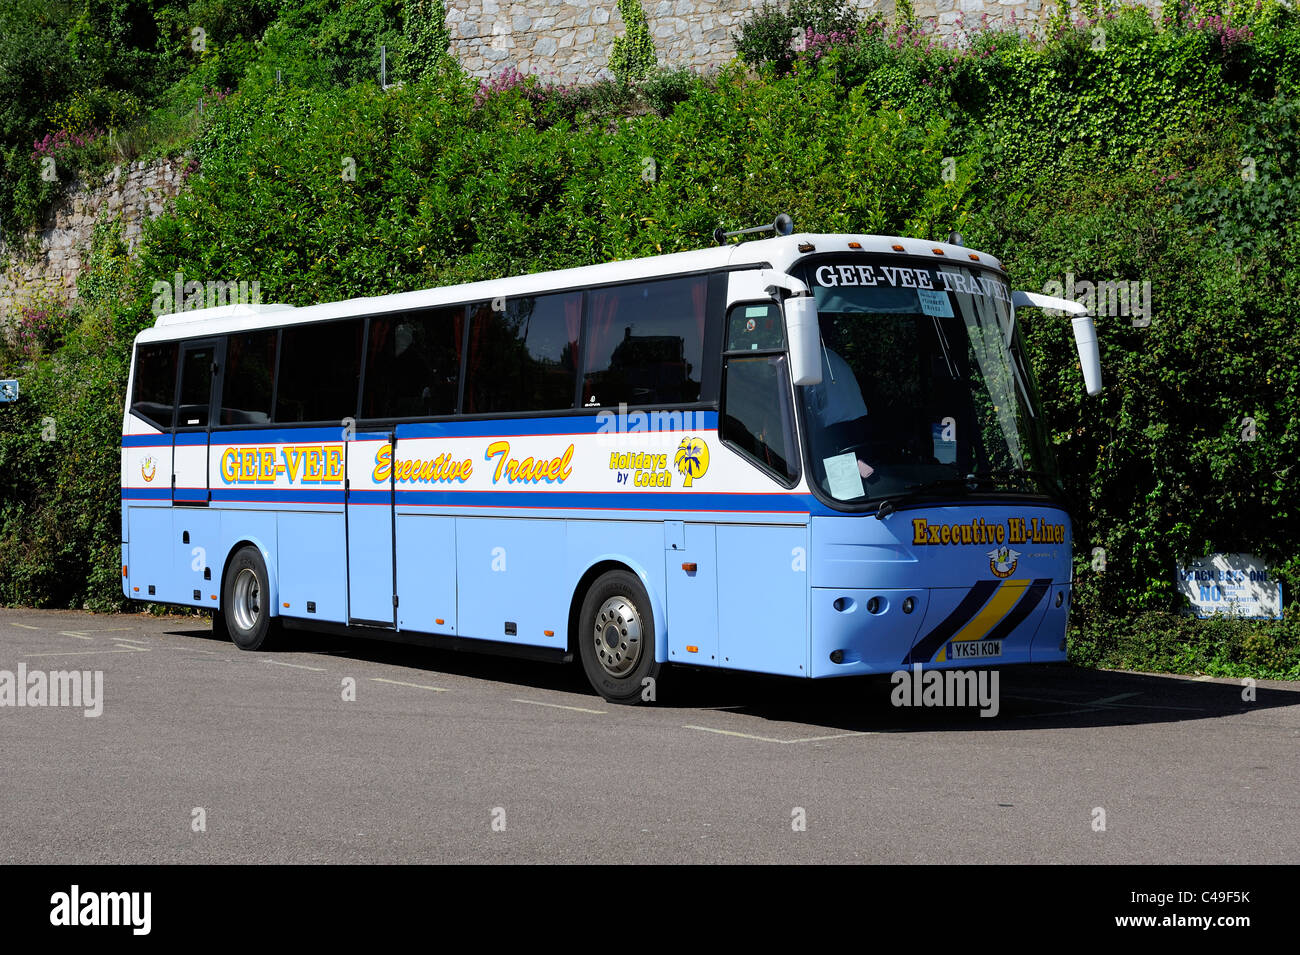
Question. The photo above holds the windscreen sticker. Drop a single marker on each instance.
(934, 303)
(843, 476)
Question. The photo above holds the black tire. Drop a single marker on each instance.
(616, 639)
(246, 602)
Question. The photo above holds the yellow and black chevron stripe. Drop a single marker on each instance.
(989, 611)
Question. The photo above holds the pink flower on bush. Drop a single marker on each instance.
(534, 90)
(36, 328)
(817, 45)
(62, 139)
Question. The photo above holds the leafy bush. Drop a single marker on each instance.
(666, 88)
(767, 37)
(1176, 643)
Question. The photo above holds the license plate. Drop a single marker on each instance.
(974, 649)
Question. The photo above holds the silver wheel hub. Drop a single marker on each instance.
(617, 636)
(246, 605)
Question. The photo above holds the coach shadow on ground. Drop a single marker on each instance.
(1020, 698)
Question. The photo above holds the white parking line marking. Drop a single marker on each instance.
(26, 627)
(1112, 699)
(560, 706)
(709, 729)
(296, 666)
(72, 633)
(1055, 713)
(76, 653)
(770, 739)
(128, 640)
(418, 686)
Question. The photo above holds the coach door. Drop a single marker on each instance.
(194, 403)
(371, 600)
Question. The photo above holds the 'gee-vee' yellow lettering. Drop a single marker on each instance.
(248, 465)
(318, 465)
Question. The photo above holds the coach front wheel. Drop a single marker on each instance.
(616, 639)
(246, 602)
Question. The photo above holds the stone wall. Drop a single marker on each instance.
(571, 40)
(131, 193)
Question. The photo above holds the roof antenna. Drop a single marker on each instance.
(782, 225)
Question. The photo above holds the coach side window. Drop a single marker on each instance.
(413, 363)
(523, 354)
(250, 378)
(644, 342)
(196, 386)
(154, 393)
(757, 418)
(319, 370)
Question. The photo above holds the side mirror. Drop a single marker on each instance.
(804, 336)
(1085, 333)
(1085, 339)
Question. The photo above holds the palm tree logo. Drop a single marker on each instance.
(692, 459)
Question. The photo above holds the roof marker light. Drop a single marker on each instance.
(855, 245)
(937, 251)
(897, 248)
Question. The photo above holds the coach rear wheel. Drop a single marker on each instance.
(616, 639)
(246, 602)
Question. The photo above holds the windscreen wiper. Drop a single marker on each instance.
(970, 482)
(888, 506)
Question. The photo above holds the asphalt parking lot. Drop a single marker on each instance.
(204, 753)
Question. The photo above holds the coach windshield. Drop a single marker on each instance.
(924, 392)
